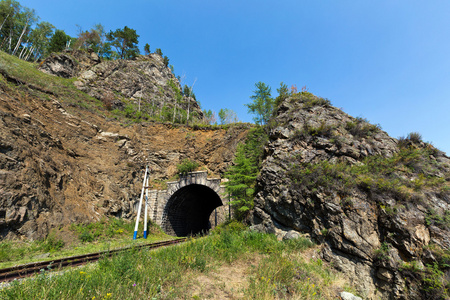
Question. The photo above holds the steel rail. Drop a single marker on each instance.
(27, 270)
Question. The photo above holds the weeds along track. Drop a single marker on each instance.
(27, 270)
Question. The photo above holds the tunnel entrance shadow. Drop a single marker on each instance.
(189, 209)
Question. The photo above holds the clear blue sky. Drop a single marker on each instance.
(386, 60)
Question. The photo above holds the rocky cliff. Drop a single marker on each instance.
(65, 159)
(378, 206)
(144, 82)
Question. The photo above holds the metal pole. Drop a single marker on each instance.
(140, 205)
(229, 207)
(146, 210)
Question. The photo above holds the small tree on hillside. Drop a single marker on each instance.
(209, 117)
(40, 40)
(244, 171)
(58, 41)
(125, 41)
(94, 39)
(166, 61)
(227, 116)
(147, 49)
(283, 94)
(262, 105)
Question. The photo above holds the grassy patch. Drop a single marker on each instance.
(93, 237)
(27, 78)
(168, 273)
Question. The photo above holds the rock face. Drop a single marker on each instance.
(359, 193)
(69, 64)
(57, 168)
(145, 82)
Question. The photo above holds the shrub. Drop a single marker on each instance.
(86, 236)
(108, 100)
(382, 252)
(361, 128)
(187, 166)
(415, 137)
(51, 243)
(402, 142)
(309, 100)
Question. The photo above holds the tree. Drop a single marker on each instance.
(94, 39)
(244, 171)
(125, 41)
(40, 40)
(16, 22)
(28, 17)
(58, 41)
(187, 91)
(147, 49)
(283, 94)
(158, 51)
(227, 116)
(88, 39)
(209, 117)
(166, 61)
(262, 105)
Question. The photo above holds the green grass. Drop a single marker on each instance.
(170, 273)
(27, 78)
(104, 235)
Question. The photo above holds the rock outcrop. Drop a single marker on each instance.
(69, 63)
(380, 207)
(144, 82)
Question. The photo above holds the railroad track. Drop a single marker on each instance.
(27, 270)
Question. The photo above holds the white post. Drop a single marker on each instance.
(140, 205)
(146, 210)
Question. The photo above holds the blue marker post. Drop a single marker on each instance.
(140, 205)
(146, 210)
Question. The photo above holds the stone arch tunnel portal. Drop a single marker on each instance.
(189, 209)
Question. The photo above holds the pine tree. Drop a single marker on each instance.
(58, 41)
(125, 41)
(244, 171)
(283, 94)
(262, 105)
(147, 49)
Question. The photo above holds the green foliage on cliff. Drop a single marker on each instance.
(187, 166)
(374, 174)
(242, 174)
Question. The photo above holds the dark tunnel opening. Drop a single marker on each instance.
(189, 209)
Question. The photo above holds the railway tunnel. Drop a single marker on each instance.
(189, 210)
